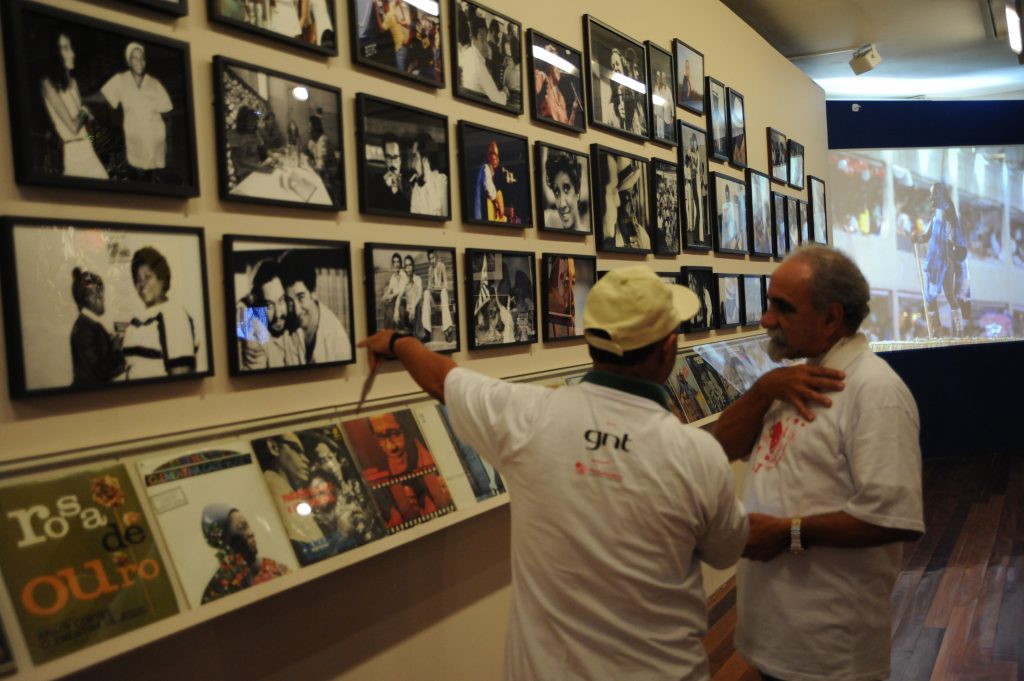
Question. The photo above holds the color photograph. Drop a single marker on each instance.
(400, 37)
(309, 24)
(495, 169)
(556, 96)
(566, 281)
(689, 65)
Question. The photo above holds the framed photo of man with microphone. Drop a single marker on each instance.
(495, 168)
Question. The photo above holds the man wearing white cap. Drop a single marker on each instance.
(615, 502)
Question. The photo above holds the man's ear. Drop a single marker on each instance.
(669, 346)
(834, 318)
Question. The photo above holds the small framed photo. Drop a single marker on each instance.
(621, 196)
(495, 168)
(309, 25)
(729, 300)
(556, 97)
(803, 220)
(289, 303)
(566, 281)
(737, 129)
(718, 121)
(689, 77)
(819, 212)
(563, 190)
(665, 204)
(753, 299)
(90, 305)
(778, 156)
(730, 212)
(178, 8)
(399, 37)
(411, 289)
(795, 154)
(487, 56)
(701, 280)
(500, 289)
(267, 160)
(793, 218)
(617, 80)
(759, 213)
(662, 87)
(403, 164)
(78, 119)
(780, 234)
(693, 157)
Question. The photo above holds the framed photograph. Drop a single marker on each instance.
(689, 77)
(621, 195)
(780, 234)
(90, 305)
(730, 211)
(792, 223)
(753, 299)
(282, 20)
(737, 129)
(178, 8)
(662, 88)
(665, 203)
(819, 212)
(675, 279)
(566, 281)
(289, 303)
(500, 288)
(778, 167)
(411, 289)
(701, 280)
(616, 80)
(269, 160)
(487, 56)
(803, 220)
(495, 168)
(693, 157)
(402, 38)
(729, 300)
(563, 190)
(556, 97)
(759, 213)
(402, 155)
(718, 125)
(795, 154)
(94, 105)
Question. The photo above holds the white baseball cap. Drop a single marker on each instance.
(634, 307)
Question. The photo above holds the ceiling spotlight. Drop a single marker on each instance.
(865, 59)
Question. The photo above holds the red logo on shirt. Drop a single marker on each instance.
(581, 468)
(771, 449)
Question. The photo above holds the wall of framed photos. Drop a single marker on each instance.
(435, 598)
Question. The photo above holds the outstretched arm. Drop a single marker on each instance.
(427, 368)
(769, 535)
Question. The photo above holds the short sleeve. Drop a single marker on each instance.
(112, 92)
(180, 338)
(726, 528)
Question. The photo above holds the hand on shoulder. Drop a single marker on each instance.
(800, 384)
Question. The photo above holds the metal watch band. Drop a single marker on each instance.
(796, 546)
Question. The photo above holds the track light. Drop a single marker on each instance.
(865, 59)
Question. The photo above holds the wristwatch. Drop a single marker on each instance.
(796, 547)
(394, 339)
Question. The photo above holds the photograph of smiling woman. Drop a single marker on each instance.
(563, 189)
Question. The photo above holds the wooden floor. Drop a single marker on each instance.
(958, 604)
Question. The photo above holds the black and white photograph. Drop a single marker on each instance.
(793, 223)
(701, 280)
(412, 289)
(617, 80)
(803, 220)
(178, 8)
(737, 129)
(759, 213)
(780, 233)
(662, 87)
(795, 153)
(566, 281)
(665, 203)
(728, 297)
(279, 138)
(689, 69)
(718, 122)
(818, 209)
(401, 37)
(289, 303)
(309, 24)
(556, 94)
(95, 105)
(501, 290)
(753, 299)
(487, 56)
(730, 212)
(90, 305)
(778, 156)
(563, 189)
(402, 156)
(621, 197)
(495, 169)
(693, 157)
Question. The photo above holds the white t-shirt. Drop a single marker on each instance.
(614, 505)
(825, 614)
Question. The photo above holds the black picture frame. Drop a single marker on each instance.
(556, 88)
(619, 178)
(283, 19)
(178, 8)
(753, 299)
(792, 223)
(420, 60)
(395, 301)
(818, 209)
(562, 178)
(759, 213)
(661, 89)
(729, 297)
(778, 156)
(257, 161)
(666, 237)
(89, 148)
(795, 156)
(689, 64)
(62, 277)
(803, 220)
(416, 188)
(717, 119)
(566, 280)
(693, 159)
(701, 280)
(737, 116)
(267, 326)
(766, 280)
(507, 175)
(729, 207)
(501, 291)
(498, 85)
(616, 80)
(780, 233)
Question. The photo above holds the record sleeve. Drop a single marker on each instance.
(483, 478)
(711, 385)
(684, 388)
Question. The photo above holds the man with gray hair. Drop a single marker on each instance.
(834, 482)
